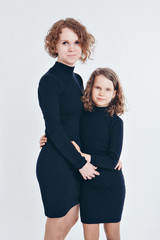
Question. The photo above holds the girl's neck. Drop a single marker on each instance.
(99, 108)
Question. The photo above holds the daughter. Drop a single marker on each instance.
(101, 133)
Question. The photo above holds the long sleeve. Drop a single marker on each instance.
(48, 93)
(112, 156)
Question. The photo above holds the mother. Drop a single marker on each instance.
(59, 92)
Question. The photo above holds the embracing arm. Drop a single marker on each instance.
(112, 156)
(48, 93)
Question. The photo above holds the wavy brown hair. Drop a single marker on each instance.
(86, 39)
(117, 104)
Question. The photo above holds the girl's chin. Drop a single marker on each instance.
(101, 105)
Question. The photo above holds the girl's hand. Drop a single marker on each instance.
(88, 171)
(119, 165)
(42, 141)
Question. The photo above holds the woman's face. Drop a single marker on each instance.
(68, 47)
(102, 91)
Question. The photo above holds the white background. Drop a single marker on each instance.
(128, 41)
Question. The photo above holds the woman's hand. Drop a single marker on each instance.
(119, 165)
(88, 171)
(42, 141)
(85, 155)
(76, 146)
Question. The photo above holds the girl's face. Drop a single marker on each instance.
(68, 47)
(102, 91)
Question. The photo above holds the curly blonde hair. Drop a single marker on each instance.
(86, 39)
(117, 104)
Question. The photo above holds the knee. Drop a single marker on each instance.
(113, 236)
(90, 237)
(54, 230)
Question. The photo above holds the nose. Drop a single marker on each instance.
(101, 93)
(71, 47)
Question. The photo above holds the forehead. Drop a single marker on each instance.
(103, 81)
(68, 34)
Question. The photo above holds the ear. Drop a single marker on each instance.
(55, 49)
(114, 94)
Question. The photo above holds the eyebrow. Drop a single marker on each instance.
(69, 40)
(96, 85)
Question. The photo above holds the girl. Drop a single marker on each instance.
(59, 93)
(101, 134)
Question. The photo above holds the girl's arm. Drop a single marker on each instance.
(112, 156)
(87, 156)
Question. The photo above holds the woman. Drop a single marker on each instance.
(59, 165)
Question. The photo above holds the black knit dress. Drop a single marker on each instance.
(59, 92)
(102, 198)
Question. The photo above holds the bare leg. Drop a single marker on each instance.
(91, 231)
(57, 228)
(72, 218)
(112, 231)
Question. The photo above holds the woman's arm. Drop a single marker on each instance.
(87, 156)
(42, 141)
(112, 156)
(86, 171)
(48, 93)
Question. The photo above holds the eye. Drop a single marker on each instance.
(108, 89)
(77, 42)
(97, 87)
(64, 43)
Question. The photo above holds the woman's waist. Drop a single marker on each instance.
(71, 135)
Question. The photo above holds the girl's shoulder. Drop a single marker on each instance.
(117, 119)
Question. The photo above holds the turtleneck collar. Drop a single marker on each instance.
(63, 67)
(95, 108)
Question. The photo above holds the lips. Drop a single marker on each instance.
(101, 99)
(71, 55)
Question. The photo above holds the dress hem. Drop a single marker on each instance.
(98, 222)
(61, 215)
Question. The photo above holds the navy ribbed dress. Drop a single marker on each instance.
(59, 93)
(102, 198)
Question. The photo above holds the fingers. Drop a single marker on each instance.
(85, 178)
(89, 177)
(96, 173)
(93, 175)
(42, 144)
(94, 167)
(116, 165)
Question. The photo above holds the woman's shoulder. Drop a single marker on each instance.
(49, 83)
(79, 78)
(48, 79)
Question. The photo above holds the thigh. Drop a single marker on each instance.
(91, 231)
(59, 224)
(112, 230)
(72, 216)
